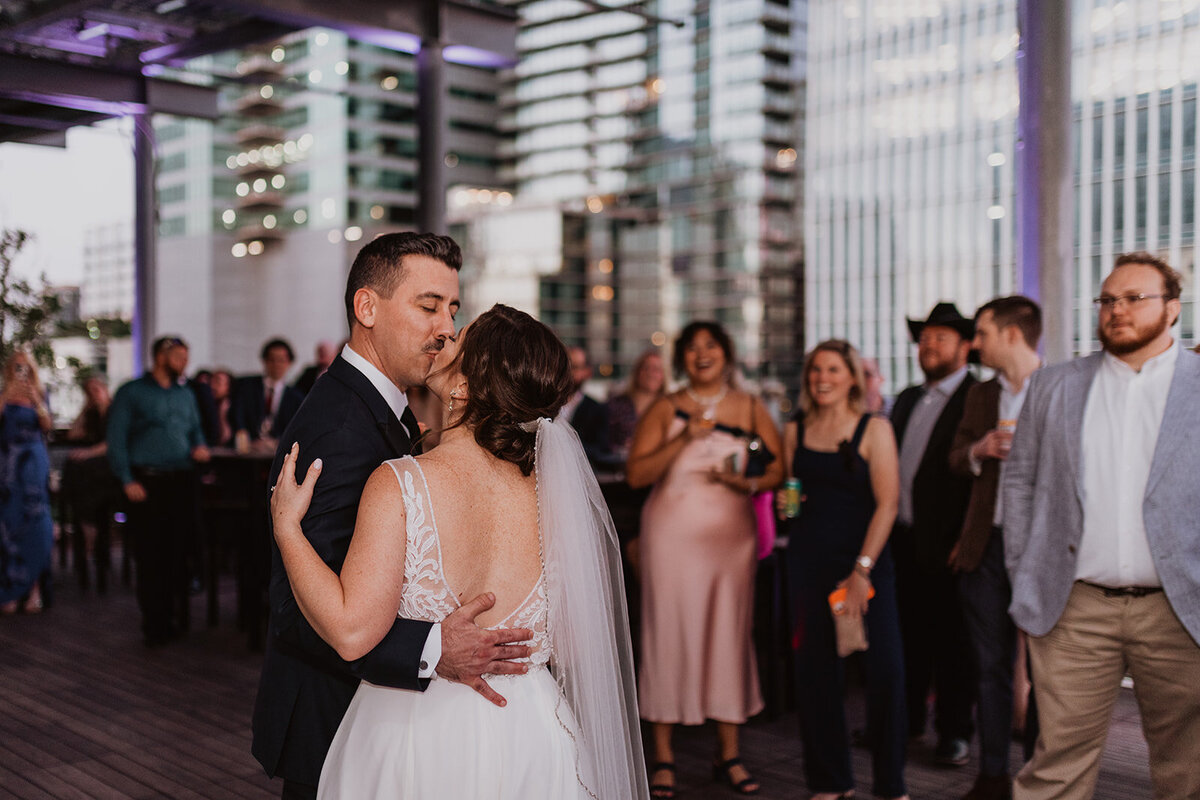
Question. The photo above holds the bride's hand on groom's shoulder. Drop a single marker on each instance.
(470, 652)
(289, 499)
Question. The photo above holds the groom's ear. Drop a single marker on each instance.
(366, 303)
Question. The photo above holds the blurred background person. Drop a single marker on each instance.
(326, 351)
(220, 432)
(154, 441)
(26, 529)
(263, 405)
(873, 400)
(647, 383)
(585, 414)
(87, 482)
(698, 554)
(845, 457)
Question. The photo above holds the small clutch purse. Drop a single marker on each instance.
(849, 629)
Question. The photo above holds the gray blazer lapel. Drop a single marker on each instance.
(1179, 416)
(1075, 393)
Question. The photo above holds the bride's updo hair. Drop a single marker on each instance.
(517, 370)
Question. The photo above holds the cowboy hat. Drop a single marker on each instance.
(945, 315)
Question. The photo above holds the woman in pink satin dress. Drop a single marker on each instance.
(698, 555)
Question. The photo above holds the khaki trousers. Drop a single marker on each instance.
(1077, 671)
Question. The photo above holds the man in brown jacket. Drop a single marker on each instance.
(1006, 335)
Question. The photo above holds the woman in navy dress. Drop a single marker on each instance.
(26, 531)
(847, 462)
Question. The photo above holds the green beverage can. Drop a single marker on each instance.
(791, 498)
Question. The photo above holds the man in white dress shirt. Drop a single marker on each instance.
(1102, 540)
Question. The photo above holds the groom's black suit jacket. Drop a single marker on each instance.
(305, 686)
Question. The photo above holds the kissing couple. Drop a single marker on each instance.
(451, 625)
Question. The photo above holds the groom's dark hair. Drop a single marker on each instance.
(517, 371)
(380, 264)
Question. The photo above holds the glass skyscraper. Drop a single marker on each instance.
(911, 137)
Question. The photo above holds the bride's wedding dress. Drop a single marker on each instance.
(448, 742)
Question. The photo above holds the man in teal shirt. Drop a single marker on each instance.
(154, 440)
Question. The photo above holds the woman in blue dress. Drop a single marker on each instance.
(847, 462)
(26, 530)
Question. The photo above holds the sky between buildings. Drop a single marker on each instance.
(56, 194)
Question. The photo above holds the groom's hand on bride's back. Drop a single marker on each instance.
(470, 652)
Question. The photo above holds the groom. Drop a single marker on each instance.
(401, 298)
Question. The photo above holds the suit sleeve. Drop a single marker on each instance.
(971, 429)
(1019, 477)
(329, 524)
(238, 412)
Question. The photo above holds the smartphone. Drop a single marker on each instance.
(837, 599)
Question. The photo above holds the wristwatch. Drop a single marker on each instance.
(864, 565)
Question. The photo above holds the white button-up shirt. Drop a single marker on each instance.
(1121, 421)
(920, 427)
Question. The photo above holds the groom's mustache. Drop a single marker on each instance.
(436, 346)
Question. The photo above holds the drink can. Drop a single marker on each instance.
(791, 498)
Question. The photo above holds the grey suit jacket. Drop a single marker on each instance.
(1043, 494)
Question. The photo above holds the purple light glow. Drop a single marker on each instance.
(474, 57)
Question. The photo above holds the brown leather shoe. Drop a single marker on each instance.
(990, 787)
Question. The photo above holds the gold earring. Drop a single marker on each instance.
(451, 406)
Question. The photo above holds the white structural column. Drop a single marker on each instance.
(1045, 191)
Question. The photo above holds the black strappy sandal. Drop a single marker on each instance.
(721, 775)
(663, 791)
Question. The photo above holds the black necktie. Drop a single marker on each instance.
(409, 420)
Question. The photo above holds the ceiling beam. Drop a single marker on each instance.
(102, 91)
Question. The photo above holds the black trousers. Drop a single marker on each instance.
(294, 790)
(163, 529)
(937, 649)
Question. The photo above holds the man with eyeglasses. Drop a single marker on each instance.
(1102, 540)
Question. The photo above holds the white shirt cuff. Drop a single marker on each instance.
(432, 653)
(974, 463)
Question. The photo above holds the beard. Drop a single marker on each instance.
(1142, 336)
(937, 370)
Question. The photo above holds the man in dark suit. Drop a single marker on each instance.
(933, 501)
(1007, 330)
(263, 405)
(401, 297)
(586, 415)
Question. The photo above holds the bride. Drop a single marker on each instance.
(507, 504)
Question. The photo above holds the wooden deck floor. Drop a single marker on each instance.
(86, 711)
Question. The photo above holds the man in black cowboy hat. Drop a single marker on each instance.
(933, 502)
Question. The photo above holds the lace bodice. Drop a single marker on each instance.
(427, 595)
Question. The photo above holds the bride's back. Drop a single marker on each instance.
(487, 523)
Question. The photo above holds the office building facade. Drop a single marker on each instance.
(911, 137)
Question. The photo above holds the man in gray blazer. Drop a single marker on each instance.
(1102, 540)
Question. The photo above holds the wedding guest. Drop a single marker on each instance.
(647, 383)
(933, 504)
(586, 414)
(154, 440)
(698, 554)
(263, 405)
(221, 434)
(87, 482)
(326, 352)
(26, 530)
(846, 459)
(873, 401)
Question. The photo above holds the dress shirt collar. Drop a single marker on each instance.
(949, 384)
(397, 401)
(1163, 363)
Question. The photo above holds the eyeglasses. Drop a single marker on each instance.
(1108, 302)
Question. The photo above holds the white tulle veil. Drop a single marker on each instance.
(588, 620)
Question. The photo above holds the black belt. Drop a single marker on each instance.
(1124, 591)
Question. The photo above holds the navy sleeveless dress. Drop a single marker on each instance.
(822, 548)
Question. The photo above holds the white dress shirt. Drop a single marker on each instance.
(1121, 421)
(431, 654)
(921, 423)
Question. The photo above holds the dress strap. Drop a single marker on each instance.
(856, 440)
